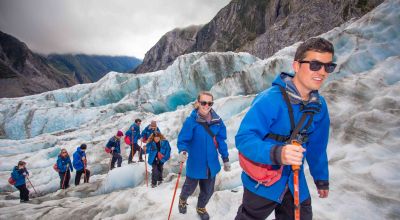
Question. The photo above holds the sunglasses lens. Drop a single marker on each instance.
(329, 68)
(315, 66)
(210, 104)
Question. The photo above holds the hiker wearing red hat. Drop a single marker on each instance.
(114, 144)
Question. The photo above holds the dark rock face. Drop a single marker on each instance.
(23, 72)
(168, 48)
(258, 27)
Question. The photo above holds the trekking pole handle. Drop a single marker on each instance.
(296, 143)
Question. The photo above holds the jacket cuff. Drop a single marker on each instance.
(225, 159)
(322, 184)
(275, 155)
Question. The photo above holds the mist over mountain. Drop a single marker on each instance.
(90, 68)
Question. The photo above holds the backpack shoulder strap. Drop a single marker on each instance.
(210, 133)
(289, 106)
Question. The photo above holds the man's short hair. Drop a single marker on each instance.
(317, 44)
(137, 120)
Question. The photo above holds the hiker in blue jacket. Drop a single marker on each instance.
(64, 166)
(80, 164)
(114, 144)
(19, 174)
(196, 144)
(147, 131)
(132, 136)
(159, 152)
(264, 135)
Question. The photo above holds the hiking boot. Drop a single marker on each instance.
(129, 162)
(153, 185)
(203, 213)
(141, 160)
(182, 206)
(159, 182)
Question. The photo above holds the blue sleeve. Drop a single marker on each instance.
(254, 126)
(129, 132)
(15, 174)
(185, 135)
(144, 135)
(110, 143)
(167, 153)
(222, 146)
(59, 165)
(148, 148)
(316, 156)
(70, 165)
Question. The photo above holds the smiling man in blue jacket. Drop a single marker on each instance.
(263, 136)
(201, 148)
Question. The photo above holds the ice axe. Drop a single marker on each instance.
(65, 175)
(32, 185)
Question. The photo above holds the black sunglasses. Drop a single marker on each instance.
(204, 103)
(316, 65)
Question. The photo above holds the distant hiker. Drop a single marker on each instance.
(114, 144)
(202, 136)
(19, 174)
(147, 131)
(132, 136)
(159, 151)
(64, 167)
(80, 164)
(273, 120)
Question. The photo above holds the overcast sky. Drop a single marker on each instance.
(107, 27)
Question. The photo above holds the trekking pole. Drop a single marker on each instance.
(84, 171)
(132, 146)
(176, 187)
(111, 156)
(65, 175)
(296, 193)
(32, 185)
(145, 164)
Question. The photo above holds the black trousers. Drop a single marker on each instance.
(256, 207)
(79, 174)
(64, 184)
(23, 192)
(206, 190)
(116, 157)
(135, 148)
(156, 172)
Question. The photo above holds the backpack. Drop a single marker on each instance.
(265, 174)
(55, 167)
(11, 181)
(107, 150)
(127, 140)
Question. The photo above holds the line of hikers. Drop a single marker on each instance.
(286, 124)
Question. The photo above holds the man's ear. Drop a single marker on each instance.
(296, 66)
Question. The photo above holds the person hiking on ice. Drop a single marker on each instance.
(19, 174)
(64, 167)
(159, 151)
(147, 131)
(200, 148)
(80, 164)
(264, 135)
(133, 133)
(114, 144)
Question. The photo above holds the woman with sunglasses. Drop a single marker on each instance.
(64, 166)
(272, 122)
(200, 140)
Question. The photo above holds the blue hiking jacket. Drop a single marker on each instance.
(62, 164)
(203, 155)
(17, 175)
(148, 131)
(136, 133)
(78, 162)
(269, 114)
(114, 142)
(165, 149)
